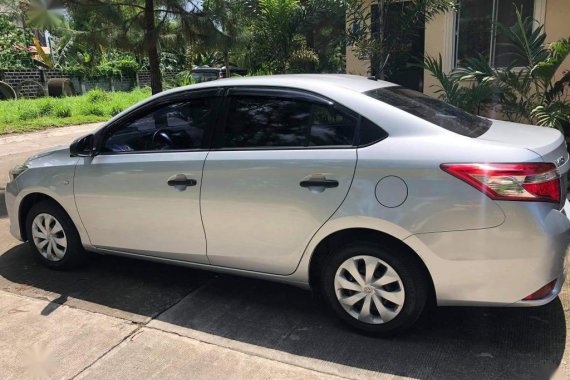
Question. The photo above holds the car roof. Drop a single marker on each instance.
(310, 82)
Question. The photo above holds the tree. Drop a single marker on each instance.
(323, 26)
(230, 17)
(367, 31)
(277, 40)
(140, 26)
(14, 43)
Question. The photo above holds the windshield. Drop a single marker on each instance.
(433, 110)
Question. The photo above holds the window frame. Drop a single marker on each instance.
(155, 104)
(451, 33)
(289, 94)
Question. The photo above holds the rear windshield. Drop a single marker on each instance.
(433, 110)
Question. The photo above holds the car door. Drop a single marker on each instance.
(280, 168)
(141, 193)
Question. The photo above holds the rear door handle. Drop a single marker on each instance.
(326, 183)
(181, 182)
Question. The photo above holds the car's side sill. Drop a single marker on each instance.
(208, 267)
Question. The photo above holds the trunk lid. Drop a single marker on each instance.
(546, 142)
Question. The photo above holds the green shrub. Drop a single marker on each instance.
(28, 111)
(526, 91)
(116, 109)
(97, 95)
(62, 110)
(45, 107)
(92, 109)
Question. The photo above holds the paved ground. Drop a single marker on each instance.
(126, 319)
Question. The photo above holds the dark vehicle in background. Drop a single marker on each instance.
(206, 73)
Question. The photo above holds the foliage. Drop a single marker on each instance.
(115, 64)
(140, 27)
(323, 25)
(276, 36)
(25, 115)
(14, 43)
(529, 93)
(369, 38)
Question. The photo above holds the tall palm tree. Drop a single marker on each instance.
(138, 25)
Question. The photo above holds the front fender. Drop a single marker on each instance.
(55, 183)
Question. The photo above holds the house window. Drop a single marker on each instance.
(476, 32)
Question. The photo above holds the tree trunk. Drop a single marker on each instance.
(227, 64)
(381, 30)
(151, 45)
(310, 38)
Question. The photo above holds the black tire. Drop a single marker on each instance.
(406, 266)
(74, 254)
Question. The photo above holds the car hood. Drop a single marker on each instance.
(44, 156)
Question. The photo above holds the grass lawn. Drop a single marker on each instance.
(25, 115)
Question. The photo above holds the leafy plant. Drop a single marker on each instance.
(116, 64)
(62, 110)
(97, 95)
(14, 46)
(528, 90)
(277, 39)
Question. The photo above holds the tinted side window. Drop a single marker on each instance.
(258, 121)
(330, 127)
(265, 122)
(370, 133)
(177, 126)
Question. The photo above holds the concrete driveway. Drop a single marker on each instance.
(125, 319)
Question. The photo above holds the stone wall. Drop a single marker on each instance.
(143, 77)
(26, 83)
(33, 83)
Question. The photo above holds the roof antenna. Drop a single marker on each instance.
(373, 77)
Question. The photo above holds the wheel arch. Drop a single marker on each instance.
(345, 236)
(26, 205)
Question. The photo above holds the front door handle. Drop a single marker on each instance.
(180, 182)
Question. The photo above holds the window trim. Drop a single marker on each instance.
(279, 92)
(155, 104)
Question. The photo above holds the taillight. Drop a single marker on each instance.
(541, 293)
(538, 182)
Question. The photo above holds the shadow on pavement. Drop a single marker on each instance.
(451, 343)
(130, 289)
(3, 211)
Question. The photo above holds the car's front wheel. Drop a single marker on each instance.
(376, 290)
(53, 237)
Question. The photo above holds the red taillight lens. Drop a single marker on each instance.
(538, 182)
(541, 293)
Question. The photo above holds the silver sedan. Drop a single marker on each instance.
(379, 198)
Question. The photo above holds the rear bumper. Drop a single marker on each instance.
(498, 266)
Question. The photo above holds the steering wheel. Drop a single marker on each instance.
(162, 134)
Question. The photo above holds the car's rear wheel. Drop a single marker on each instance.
(53, 237)
(376, 290)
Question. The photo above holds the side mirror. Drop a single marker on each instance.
(83, 147)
